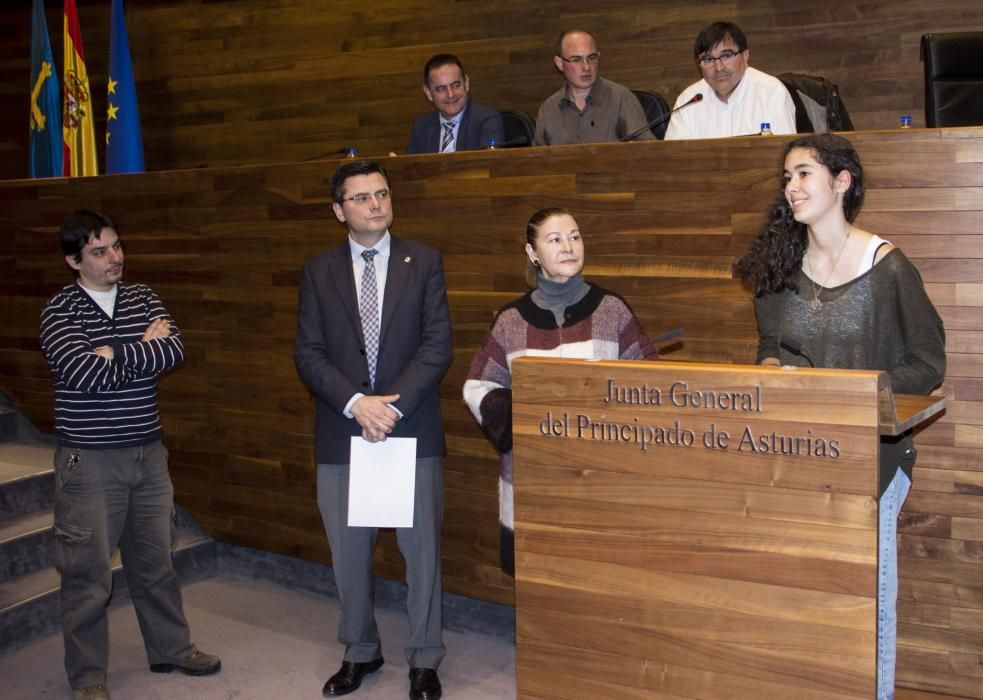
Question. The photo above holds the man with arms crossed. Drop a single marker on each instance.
(459, 123)
(737, 99)
(588, 108)
(373, 341)
(106, 342)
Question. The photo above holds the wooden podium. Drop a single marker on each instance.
(698, 531)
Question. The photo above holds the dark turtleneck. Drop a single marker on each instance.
(558, 296)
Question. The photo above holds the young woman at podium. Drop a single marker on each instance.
(563, 316)
(830, 294)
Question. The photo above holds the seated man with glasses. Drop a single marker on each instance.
(588, 108)
(737, 99)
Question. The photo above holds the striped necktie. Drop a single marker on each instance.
(448, 138)
(368, 308)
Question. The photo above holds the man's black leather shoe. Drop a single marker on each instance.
(424, 684)
(349, 677)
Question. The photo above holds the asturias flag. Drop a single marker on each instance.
(79, 153)
(124, 144)
(45, 101)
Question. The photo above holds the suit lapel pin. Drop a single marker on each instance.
(407, 258)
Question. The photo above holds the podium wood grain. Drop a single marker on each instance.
(678, 571)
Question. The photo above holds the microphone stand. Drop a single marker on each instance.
(662, 119)
(795, 347)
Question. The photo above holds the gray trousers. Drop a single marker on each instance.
(351, 556)
(104, 498)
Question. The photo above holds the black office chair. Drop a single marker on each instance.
(655, 107)
(818, 107)
(953, 78)
(518, 126)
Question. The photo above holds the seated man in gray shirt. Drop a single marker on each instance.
(588, 108)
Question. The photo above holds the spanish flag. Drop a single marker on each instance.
(78, 133)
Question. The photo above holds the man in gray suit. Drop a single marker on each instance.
(373, 341)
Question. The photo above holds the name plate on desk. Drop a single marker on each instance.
(707, 415)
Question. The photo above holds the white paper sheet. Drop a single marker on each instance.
(381, 483)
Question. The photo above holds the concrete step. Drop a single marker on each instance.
(29, 604)
(26, 544)
(27, 478)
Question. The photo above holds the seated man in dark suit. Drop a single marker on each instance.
(459, 122)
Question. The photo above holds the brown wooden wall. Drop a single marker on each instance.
(663, 224)
(231, 82)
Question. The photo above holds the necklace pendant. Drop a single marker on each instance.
(815, 305)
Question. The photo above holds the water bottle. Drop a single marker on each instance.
(491, 144)
(905, 121)
(351, 152)
(766, 129)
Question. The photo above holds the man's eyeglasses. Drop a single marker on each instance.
(578, 60)
(723, 57)
(363, 198)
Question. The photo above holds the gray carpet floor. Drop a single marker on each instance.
(275, 644)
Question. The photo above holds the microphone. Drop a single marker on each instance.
(669, 339)
(793, 345)
(343, 151)
(658, 121)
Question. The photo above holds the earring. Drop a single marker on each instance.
(535, 263)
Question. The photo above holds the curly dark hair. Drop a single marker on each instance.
(774, 258)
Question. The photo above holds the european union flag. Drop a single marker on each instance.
(124, 144)
(45, 157)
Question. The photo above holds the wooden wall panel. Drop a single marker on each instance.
(663, 223)
(231, 82)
